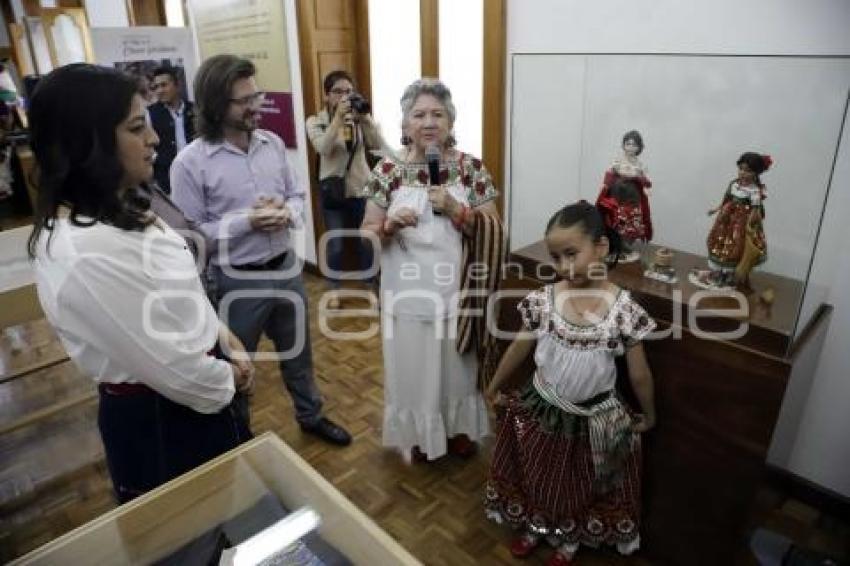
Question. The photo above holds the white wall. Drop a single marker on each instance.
(824, 280)
(756, 27)
(696, 115)
(821, 451)
(461, 63)
(298, 156)
(107, 13)
(816, 27)
(174, 16)
(395, 60)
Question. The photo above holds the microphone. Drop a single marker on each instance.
(432, 157)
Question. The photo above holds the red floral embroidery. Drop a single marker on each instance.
(480, 188)
(467, 180)
(477, 164)
(444, 176)
(395, 183)
(387, 167)
(422, 176)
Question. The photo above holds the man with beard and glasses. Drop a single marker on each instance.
(235, 183)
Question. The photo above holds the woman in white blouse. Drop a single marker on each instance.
(432, 405)
(121, 288)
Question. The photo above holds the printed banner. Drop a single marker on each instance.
(254, 30)
(140, 50)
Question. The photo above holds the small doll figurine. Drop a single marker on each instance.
(624, 196)
(736, 242)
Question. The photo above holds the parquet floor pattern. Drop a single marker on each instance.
(53, 477)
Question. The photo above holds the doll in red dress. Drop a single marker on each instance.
(624, 196)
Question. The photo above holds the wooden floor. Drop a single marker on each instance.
(53, 477)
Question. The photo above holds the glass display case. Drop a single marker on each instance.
(230, 498)
(697, 116)
(726, 348)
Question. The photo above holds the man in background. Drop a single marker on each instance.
(173, 120)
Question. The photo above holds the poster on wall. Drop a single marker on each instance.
(139, 50)
(254, 30)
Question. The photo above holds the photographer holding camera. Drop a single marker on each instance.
(341, 134)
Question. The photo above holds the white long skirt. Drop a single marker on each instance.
(430, 391)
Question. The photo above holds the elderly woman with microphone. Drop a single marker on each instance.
(432, 208)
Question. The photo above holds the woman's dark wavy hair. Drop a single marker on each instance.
(591, 220)
(213, 84)
(73, 115)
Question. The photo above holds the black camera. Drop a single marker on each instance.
(359, 104)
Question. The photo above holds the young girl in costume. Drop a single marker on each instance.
(566, 466)
(736, 242)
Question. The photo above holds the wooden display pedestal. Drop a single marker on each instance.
(717, 400)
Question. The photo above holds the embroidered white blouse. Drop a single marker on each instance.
(577, 361)
(753, 192)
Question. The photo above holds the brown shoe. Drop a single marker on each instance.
(328, 431)
(418, 455)
(462, 446)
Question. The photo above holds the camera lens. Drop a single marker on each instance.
(359, 104)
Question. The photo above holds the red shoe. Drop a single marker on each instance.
(461, 445)
(559, 559)
(523, 546)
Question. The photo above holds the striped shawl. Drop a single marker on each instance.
(483, 255)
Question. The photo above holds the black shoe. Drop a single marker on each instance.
(328, 431)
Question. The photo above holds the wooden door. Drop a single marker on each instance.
(332, 34)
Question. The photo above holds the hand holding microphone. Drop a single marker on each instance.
(441, 201)
(437, 195)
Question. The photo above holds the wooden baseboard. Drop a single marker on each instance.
(824, 500)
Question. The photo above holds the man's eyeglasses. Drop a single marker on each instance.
(341, 91)
(252, 99)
